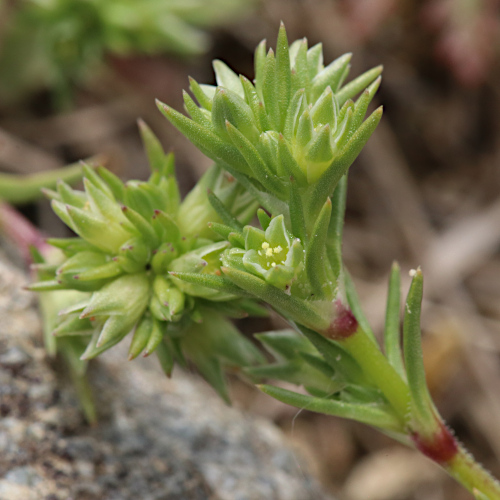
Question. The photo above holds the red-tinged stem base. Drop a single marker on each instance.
(444, 449)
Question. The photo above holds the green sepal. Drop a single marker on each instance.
(316, 265)
(357, 85)
(423, 411)
(377, 416)
(392, 344)
(138, 199)
(254, 238)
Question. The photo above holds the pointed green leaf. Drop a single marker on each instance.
(316, 262)
(422, 405)
(295, 309)
(283, 74)
(227, 78)
(330, 178)
(392, 322)
(201, 97)
(205, 140)
(255, 161)
(378, 416)
(357, 85)
(223, 212)
(270, 91)
(330, 76)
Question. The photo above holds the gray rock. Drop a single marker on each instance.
(157, 439)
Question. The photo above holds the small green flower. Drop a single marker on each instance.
(274, 254)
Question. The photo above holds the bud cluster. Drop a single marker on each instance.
(130, 236)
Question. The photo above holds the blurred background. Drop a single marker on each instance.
(76, 74)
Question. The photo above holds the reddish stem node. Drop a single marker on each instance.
(344, 325)
(441, 447)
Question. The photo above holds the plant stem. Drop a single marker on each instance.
(378, 369)
(472, 475)
(462, 466)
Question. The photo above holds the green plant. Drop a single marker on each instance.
(65, 42)
(289, 140)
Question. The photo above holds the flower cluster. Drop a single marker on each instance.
(130, 236)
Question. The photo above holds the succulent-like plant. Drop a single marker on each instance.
(290, 138)
(145, 262)
(129, 237)
(63, 42)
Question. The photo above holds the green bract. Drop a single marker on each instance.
(130, 236)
